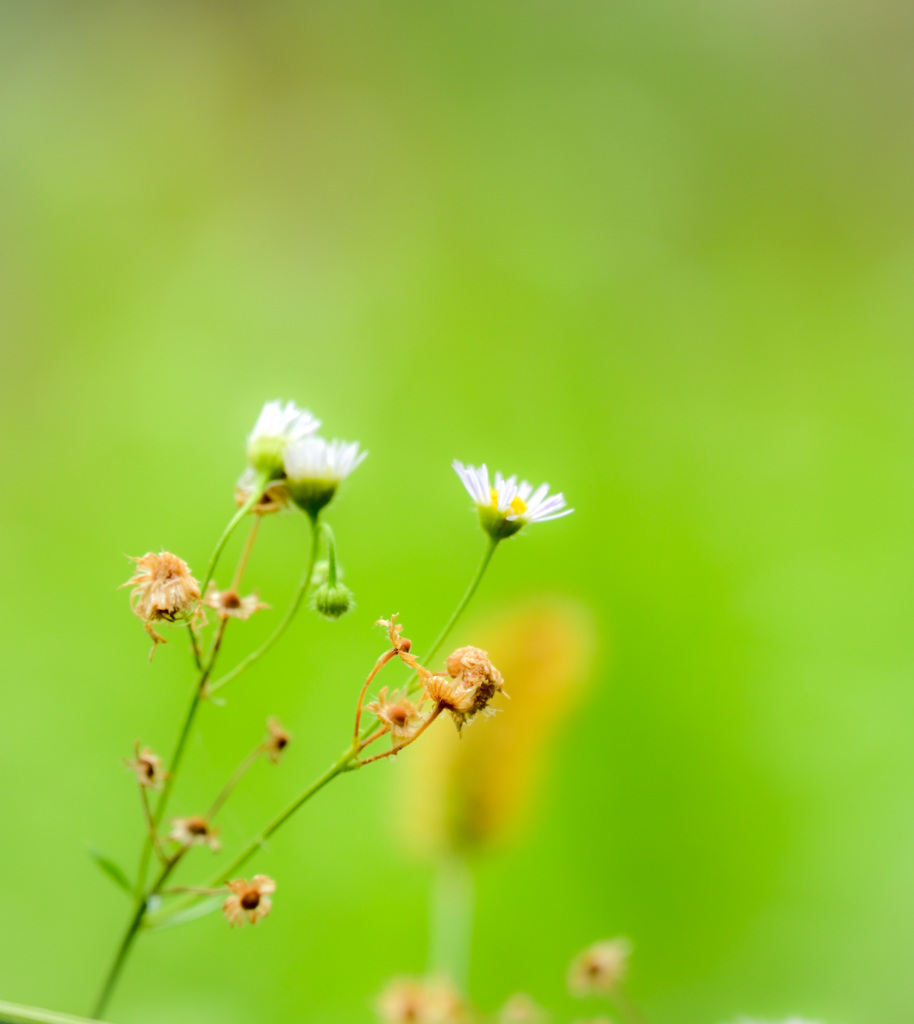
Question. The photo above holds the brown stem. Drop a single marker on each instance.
(379, 664)
(374, 736)
(396, 750)
(245, 554)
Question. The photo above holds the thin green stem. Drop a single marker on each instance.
(239, 773)
(130, 934)
(120, 958)
(491, 545)
(451, 924)
(344, 763)
(194, 647)
(290, 614)
(337, 768)
(259, 487)
(13, 1013)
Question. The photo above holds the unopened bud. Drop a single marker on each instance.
(333, 601)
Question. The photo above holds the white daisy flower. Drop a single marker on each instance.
(508, 506)
(314, 468)
(276, 426)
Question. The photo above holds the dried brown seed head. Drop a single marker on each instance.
(230, 604)
(419, 1001)
(400, 715)
(163, 590)
(194, 831)
(277, 740)
(249, 900)
(599, 968)
(147, 767)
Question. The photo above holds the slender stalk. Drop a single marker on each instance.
(291, 611)
(451, 924)
(13, 1013)
(239, 773)
(491, 545)
(120, 958)
(245, 554)
(259, 487)
(465, 600)
(130, 933)
(195, 647)
(340, 765)
(184, 735)
(150, 827)
(378, 665)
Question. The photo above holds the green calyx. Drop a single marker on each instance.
(311, 495)
(496, 524)
(265, 456)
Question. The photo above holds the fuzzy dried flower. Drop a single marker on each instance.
(399, 714)
(471, 683)
(419, 1001)
(230, 604)
(249, 899)
(147, 767)
(194, 831)
(276, 742)
(163, 589)
(599, 968)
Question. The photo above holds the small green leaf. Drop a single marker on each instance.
(13, 1013)
(111, 870)
(190, 913)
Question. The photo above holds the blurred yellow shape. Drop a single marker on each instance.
(472, 791)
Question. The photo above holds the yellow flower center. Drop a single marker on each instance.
(518, 506)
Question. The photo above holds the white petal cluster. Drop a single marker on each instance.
(314, 458)
(286, 422)
(516, 501)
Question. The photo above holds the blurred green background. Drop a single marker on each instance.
(658, 254)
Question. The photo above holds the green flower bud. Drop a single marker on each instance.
(333, 601)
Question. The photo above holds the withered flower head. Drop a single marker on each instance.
(400, 715)
(470, 685)
(163, 588)
(275, 498)
(521, 1009)
(417, 1001)
(230, 604)
(599, 968)
(147, 767)
(398, 642)
(194, 831)
(249, 899)
(277, 740)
